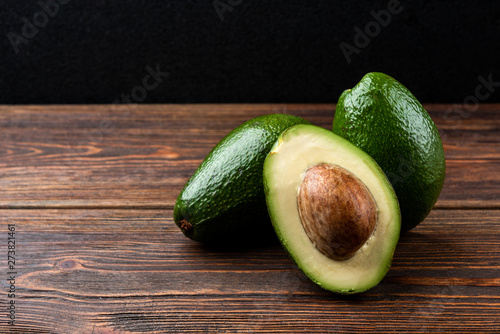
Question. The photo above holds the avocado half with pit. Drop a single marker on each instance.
(332, 208)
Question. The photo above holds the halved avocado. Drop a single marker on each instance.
(332, 207)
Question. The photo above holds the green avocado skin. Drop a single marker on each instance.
(384, 119)
(224, 202)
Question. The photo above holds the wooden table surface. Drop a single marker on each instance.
(90, 192)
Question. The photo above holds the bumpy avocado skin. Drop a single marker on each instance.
(224, 200)
(384, 119)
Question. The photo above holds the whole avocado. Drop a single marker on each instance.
(224, 202)
(384, 119)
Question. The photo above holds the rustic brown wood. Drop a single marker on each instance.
(141, 156)
(121, 271)
(91, 191)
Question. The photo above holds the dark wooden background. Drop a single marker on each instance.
(91, 191)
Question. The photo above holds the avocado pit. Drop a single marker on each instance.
(336, 209)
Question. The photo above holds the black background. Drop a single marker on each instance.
(262, 51)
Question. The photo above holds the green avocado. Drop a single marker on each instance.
(384, 119)
(332, 208)
(224, 199)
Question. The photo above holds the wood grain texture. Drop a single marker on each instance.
(141, 156)
(129, 271)
(91, 191)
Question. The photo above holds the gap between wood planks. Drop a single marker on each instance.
(445, 206)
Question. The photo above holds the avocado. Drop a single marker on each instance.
(332, 208)
(224, 201)
(384, 119)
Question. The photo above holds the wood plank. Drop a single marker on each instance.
(81, 127)
(128, 271)
(140, 156)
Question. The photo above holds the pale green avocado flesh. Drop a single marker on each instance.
(299, 148)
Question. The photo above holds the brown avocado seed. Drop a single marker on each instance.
(337, 211)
